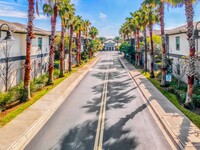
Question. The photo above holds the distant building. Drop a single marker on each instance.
(110, 45)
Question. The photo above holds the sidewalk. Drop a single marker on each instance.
(180, 129)
(19, 132)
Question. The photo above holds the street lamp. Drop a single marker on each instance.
(9, 36)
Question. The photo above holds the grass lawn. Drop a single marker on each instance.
(172, 97)
(36, 96)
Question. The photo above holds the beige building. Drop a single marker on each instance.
(17, 53)
(179, 49)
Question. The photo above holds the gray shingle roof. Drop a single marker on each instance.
(21, 28)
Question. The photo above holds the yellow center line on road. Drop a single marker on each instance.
(100, 127)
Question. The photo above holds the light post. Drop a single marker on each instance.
(7, 38)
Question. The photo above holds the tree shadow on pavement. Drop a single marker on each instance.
(116, 137)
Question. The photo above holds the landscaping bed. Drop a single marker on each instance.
(177, 96)
(11, 104)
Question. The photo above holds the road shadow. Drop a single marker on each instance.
(185, 127)
(116, 137)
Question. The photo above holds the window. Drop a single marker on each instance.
(177, 43)
(39, 43)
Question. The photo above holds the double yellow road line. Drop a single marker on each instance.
(100, 128)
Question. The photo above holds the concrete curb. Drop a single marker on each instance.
(27, 136)
(176, 141)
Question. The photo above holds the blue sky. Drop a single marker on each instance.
(106, 15)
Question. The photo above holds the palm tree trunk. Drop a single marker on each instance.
(30, 36)
(79, 45)
(77, 50)
(138, 48)
(62, 51)
(70, 47)
(145, 49)
(191, 67)
(86, 44)
(152, 50)
(162, 26)
(51, 53)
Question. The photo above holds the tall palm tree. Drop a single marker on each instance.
(125, 29)
(153, 18)
(51, 8)
(117, 39)
(71, 28)
(78, 27)
(29, 37)
(145, 21)
(93, 32)
(189, 11)
(131, 29)
(138, 23)
(86, 28)
(161, 7)
(63, 8)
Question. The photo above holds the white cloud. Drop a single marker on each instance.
(9, 9)
(102, 15)
(10, 3)
(19, 14)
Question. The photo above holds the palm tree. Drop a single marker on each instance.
(138, 24)
(71, 28)
(51, 8)
(125, 29)
(63, 8)
(86, 28)
(189, 11)
(93, 32)
(131, 29)
(145, 21)
(117, 39)
(29, 37)
(153, 18)
(161, 6)
(78, 27)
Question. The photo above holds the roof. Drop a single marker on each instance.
(181, 29)
(21, 28)
(110, 41)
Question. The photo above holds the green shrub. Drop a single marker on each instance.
(171, 89)
(18, 91)
(183, 87)
(197, 90)
(196, 100)
(183, 97)
(43, 79)
(57, 64)
(84, 56)
(56, 73)
(36, 87)
(6, 98)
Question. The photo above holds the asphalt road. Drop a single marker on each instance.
(105, 111)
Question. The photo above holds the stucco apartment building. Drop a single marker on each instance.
(110, 45)
(17, 53)
(179, 50)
